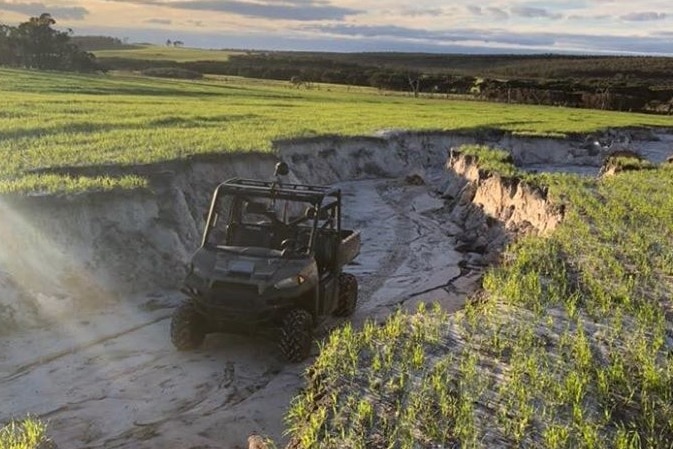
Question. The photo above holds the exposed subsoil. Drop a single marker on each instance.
(93, 356)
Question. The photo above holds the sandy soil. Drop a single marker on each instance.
(112, 379)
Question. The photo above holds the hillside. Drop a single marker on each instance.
(636, 84)
(109, 120)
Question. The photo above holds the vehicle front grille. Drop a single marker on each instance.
(235, 292)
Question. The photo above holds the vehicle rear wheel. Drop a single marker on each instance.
(187, 327)
(348, 295)
(296, 335)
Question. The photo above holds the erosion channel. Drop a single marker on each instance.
(88, 281)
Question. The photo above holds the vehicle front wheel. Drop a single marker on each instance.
(296, 335)
(187, 327)
(348, 295)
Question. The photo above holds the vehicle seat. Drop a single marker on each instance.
(241, 235)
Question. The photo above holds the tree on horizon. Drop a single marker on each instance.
(34, 44)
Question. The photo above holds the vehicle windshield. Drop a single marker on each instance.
(282, 226)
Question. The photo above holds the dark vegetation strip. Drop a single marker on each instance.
(636, 84)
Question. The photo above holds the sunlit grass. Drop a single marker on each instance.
(29, 433)
(54, 119)
(156, 52)
(53, 183)
(491, 159)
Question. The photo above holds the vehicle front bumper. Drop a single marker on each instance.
(239, 308)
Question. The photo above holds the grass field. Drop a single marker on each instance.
(570, 346)
(55, 119)
(177, 54)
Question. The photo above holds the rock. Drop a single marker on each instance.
(463, 247)
(452, 229)
(466, 237)
(257, 442)
(452, 189)
(475, 219)
(471, 242)
(467, 194)
(469, 283)
(480, 245)
(493, 257)
(459, 214)
(497, 241)
(475, 259)
(414, 180)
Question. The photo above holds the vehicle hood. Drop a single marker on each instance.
(248, 265)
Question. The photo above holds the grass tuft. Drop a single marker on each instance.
(29, 433)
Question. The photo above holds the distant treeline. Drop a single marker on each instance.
(36, 45)
(613, 83)
(652, 69)
(92, 43)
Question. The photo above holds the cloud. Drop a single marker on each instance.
(159, 21)
(423, 12)
(531, 12)
(344, 38)
(35, 9)
(300, 10)
(439, 37)
(500, 38)
(643, 16)
(491, 11)
(497, 13)
(589, 17)
(476, 10)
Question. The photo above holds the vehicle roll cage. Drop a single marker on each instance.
(326, 200)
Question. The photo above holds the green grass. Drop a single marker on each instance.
(491, 159)
(53, 183)
(155, 52)
(54, 120)
(569, 345)
(619, 164)
(29, 433)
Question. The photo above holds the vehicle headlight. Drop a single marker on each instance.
(292, 281)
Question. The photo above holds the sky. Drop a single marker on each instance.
(458, 26)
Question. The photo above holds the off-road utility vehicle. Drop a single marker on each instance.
(271, 259)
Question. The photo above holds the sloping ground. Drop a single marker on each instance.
(569, 345)
(101, 268)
